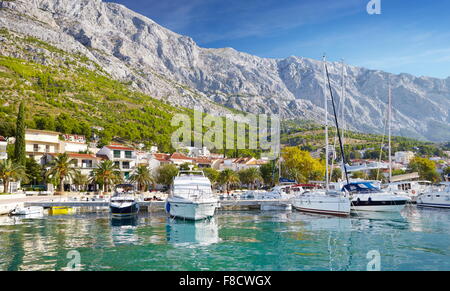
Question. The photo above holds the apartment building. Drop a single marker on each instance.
(123, 157)
(41, 142)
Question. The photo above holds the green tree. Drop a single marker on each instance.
(228, 177)
(19, 146)
(10, 172)
(165, 174)
(60, 169)
(301, 166)
(336, 175)
(143, 177)
(359, 175)
(212, 174)
(34, 171)
(269, 173)
(185, 166)
(425, 167)
(106, 174)
(80, 180)
(249, 176)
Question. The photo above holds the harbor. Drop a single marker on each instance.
(415, 239)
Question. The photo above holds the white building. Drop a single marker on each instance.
(3, 146)
(123, 157)
(403, 157)
(41, 142)
(74, 143)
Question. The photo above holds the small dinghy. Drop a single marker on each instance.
(27, 210)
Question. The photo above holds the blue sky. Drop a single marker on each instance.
(408, 37)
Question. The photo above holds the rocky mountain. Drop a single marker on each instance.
(169, 66)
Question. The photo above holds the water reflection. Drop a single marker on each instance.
(181, 232)
(123, 231)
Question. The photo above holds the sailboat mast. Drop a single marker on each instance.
(343, 106)
(337, 124)
(326, 126)
(389, 129)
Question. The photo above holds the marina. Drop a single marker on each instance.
(414, 239)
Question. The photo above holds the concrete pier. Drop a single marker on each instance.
(152, 206)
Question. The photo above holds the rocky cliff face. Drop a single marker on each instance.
(172, 67)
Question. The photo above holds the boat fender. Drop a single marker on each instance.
(168, 207)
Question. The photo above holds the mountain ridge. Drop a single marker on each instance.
(169, 66)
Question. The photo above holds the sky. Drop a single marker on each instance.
(409, 36)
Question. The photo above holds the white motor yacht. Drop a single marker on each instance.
(439, 198)
(191, 197)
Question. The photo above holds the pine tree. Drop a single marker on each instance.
(19, 147)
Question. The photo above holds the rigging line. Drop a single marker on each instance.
(337, 125)
(382, 144)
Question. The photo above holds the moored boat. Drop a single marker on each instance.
(191, 197)
(437, 199)
(27, 210)
(323, 202)
(60, 210)
(366, 197)
(123, 206)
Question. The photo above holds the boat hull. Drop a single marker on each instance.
(323, 205)
(28, 210)
(191, 210)
(435, 200)
(60, 210)
(118, 210)
(379, 206)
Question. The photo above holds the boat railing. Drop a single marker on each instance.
(193, 194)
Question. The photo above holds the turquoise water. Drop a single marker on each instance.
(416, 239)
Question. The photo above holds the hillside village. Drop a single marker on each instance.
(44, 146)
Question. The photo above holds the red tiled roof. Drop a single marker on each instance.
(202, 161)
(119, 147)
(162, 157)
(242, 160)
(178, 156)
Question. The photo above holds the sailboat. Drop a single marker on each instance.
(366, 197)
(325, 201)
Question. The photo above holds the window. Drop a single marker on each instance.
(47, 148)
(117, 164)
(128, 155)
(87, 163)
(126, 175)
(35, 148)
(125, 165)
(117, 154)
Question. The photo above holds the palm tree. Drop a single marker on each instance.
(228, 177)
(10, 172)
(106, 174)
(80, 180)
(143, 177)
(250, 176)
(60, 169)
